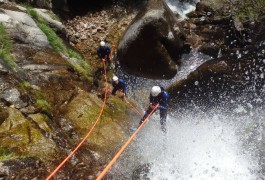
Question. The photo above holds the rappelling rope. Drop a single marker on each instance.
(102, 174)
(133, 107)
(81, 143)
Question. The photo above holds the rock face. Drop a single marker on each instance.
(224, 81)
(47, 4)
(60, 28)
(46, 107)
(22, 27)
(152, 43)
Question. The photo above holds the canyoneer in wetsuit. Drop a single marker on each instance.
(119, 87)
(158, 95)
(104, 53)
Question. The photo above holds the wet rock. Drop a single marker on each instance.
(203, 7)
(210, 49)
(11, 95)
(28, 168)
(153, 43)
(221, 81)
(142, 172)
(3, 70)
(29, 110)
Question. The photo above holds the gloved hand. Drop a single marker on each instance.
(152, 106)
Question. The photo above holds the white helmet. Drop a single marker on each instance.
(102, 43)
(115, 78)
(155, 91)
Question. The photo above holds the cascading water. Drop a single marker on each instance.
(199, 145)
(182, 8)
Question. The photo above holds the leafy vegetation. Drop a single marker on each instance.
(59, 46)
(6, 154)
(250, 9)
(25, 84)
(42, 104)
(6, 48)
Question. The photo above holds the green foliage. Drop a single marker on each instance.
(6, 154)
(4, 39)
(58, 44)
(249, 9)
(25, 84)
(6, 47)
(41, 103)
(52, 37)
(74, 54)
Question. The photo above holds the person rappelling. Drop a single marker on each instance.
(119, 87)
(158, 95)
(104, 53)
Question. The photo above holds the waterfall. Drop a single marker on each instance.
(208, 145)
(213, 144)
(182, 8)
(198, 145)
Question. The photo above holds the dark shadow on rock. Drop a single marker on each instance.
(153, 43)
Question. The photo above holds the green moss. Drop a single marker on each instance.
(23, 139)
(6, 48)
(250, 10)
(59, 46)
(52, 37)
(6, 154)
(4, 39)
(42, 104)
(25, 84)
(118, 107)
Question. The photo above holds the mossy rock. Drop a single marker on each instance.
(40, 120)
(109, 133)
(3, 114)
(24, 139)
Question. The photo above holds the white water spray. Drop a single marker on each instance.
(181, 8)
(201, 146)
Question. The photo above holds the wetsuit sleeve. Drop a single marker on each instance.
(152, 99)
(123, 85)
(164, 102)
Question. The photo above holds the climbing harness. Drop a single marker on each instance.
(93, 127)
(102, 174)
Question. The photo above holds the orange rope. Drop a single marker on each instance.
(133, 107)
(81, 143)
(102, 174)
